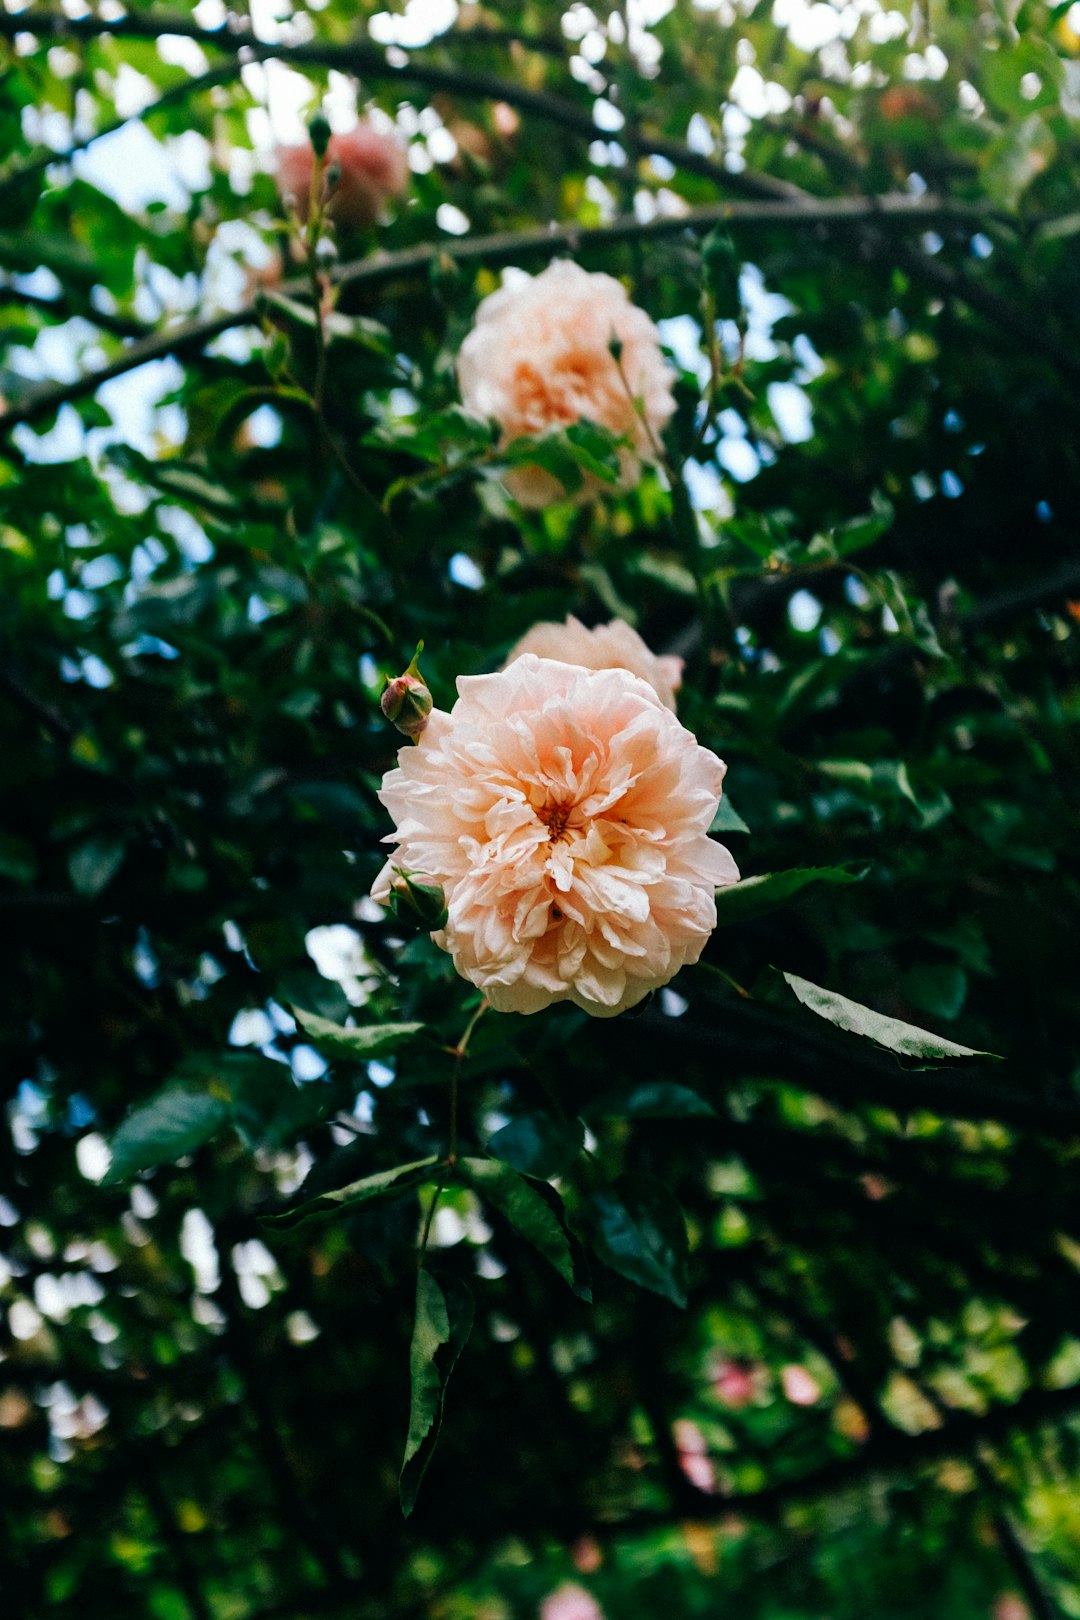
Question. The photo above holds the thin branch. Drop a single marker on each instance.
(229, 37)
(364, 58)
(824, 214)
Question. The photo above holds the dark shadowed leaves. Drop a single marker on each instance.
(383, 1184)
(529, 1213)
(173, 1123)
(537, 1144)
(639, 1231)
(444, 1318)
(656, 1099)
(742, 901)
(359, 1044)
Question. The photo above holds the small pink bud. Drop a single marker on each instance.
(407, 703)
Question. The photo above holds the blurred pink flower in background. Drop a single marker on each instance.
(606, 646)
(364, 169)
(570, 1602)
(539, 358)
(735, 1383)
(800, 1386)
(565, 814)
(694, 1457)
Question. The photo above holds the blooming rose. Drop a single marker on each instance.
(607, 646)
(564, 812)
(539, 358)
(363, 170)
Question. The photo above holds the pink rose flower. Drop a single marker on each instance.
(564, 812)
(570, 1602)
(363, 170)
(607, 646)
(539, 358)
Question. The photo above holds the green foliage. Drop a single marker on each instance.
(856, 228)
(444, 1318)
(162, 1130)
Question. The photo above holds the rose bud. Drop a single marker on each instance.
(406, 702)
(423, 905)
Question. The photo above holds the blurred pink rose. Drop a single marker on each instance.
(800, 1386)
(570, 1602)
(694, 1459)
(539, 359)
(607, 646)
(735, 1383)
(364, 169)
(564, 812)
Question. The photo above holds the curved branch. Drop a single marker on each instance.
(56, 25)
(830, 213)
(362, 57)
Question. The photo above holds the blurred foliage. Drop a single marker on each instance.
(866, 550)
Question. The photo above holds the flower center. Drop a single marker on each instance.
(555, 818)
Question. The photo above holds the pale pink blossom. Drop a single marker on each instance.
(539, 358)
(736, 1383)
(606, 646)
(694, 1459)
(364, 169)
(800, 1386)
(570, 1602)
(565, 812)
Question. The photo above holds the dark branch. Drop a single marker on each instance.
(825, 214)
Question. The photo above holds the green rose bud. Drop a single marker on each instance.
(319, 131)
(422, 905)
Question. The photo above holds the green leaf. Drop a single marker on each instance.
(173, 1123)
(860, 532)
(528, 1212)
(741, 901)
(639, 1231)
(939, 989)
(656, 1099)
(383, 1184)
(906, 1040)
(366, 1041)
(537, 1144)
(727, 818)
(94, 864)
(444, 1318)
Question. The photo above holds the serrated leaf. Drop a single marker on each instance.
(160, 1131)
(905, 1040)
(443, 1322)
(359, 1044)
(749, 898)
(383, 1184)
(528, 1212)
(537, 1144)
(656, 1099)
(639, 1232)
